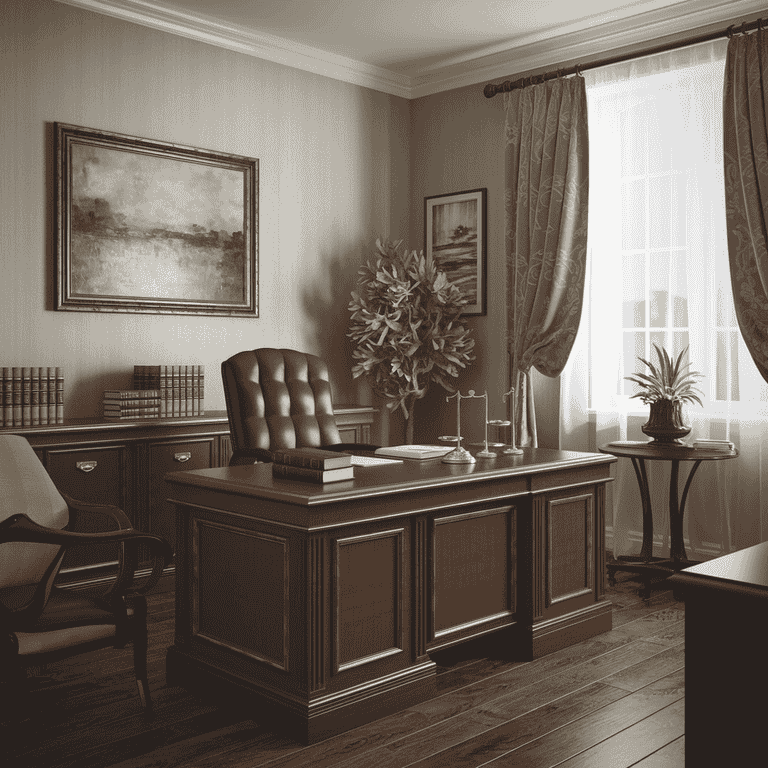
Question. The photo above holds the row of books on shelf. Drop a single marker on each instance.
(32, 396)
(180, 389)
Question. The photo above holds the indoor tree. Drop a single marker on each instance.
(405, 324)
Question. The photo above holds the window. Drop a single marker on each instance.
(657, 244)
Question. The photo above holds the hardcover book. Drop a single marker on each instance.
(313, 458)
(7, 397)
(59, 396)
(130, 394)
(312, 475)
(16, 373)
(43, 396)
(26, 397)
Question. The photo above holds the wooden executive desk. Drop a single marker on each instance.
(324, 601)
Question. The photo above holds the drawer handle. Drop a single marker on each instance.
(185, 456)
(86, 466)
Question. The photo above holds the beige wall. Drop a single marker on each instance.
(334, 165)
(457, 143)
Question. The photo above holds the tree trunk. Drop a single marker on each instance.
(409, 424)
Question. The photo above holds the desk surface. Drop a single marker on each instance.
(256, 481)
(747, 567)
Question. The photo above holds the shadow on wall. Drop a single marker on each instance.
(325, 307)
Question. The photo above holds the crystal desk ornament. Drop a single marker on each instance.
(513, 449)
(459, 455)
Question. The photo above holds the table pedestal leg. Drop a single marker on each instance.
(677, 512)
(646, 552)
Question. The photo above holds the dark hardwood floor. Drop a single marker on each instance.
(615, 701)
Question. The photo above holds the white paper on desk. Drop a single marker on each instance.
(372, 461)
(414, 451)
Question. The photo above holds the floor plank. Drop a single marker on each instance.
(613, 700)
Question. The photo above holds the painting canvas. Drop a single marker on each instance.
(455, 230)
(150, 227)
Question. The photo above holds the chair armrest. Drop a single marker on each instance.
(246, 456)
(81, 511)
(21, 528)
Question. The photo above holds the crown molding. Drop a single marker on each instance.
(257, 44)
(538, 52)
(548, 48)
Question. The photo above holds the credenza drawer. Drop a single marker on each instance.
(173, 456)
(96, 474)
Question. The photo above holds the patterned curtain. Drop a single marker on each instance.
(746, 186)
(547, 185)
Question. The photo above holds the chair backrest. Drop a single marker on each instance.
(26, 488)
(278, 398)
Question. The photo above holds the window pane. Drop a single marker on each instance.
(633, 271)
(721, 368)
(659, 338)
(634, 347)
(735, 365)
(725, 310)
(660, 200)
(634, 140)
(633, 215)
(659, 293)
(679, 343)
(679, 291)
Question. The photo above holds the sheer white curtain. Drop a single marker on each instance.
(658, 272)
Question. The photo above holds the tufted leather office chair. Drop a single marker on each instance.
(39, 622)
(279, 398)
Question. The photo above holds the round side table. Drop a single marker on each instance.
(646, 565)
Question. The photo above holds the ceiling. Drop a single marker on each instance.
(414, 48)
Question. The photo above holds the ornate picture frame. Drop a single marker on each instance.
(455, 227)
(147, 226)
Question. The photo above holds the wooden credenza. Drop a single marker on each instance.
(125, 462)
(332, 597)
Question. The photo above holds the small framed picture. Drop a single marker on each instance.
(454, 235)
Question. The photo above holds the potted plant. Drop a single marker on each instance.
(405, 324)
(665, 389)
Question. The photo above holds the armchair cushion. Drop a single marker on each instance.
(27, 489)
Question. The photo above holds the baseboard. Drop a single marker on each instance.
(709, 551)
(308, 721)
(554, 634)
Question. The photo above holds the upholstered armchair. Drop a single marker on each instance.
(41, 622)
(280, 398)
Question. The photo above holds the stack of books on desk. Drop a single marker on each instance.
(31, 397)
(181, 387)
(131, 404)
(313, 465)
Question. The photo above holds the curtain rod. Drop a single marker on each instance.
(491, 89)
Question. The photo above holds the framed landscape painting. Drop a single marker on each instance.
(454, 234)
(148, 226)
